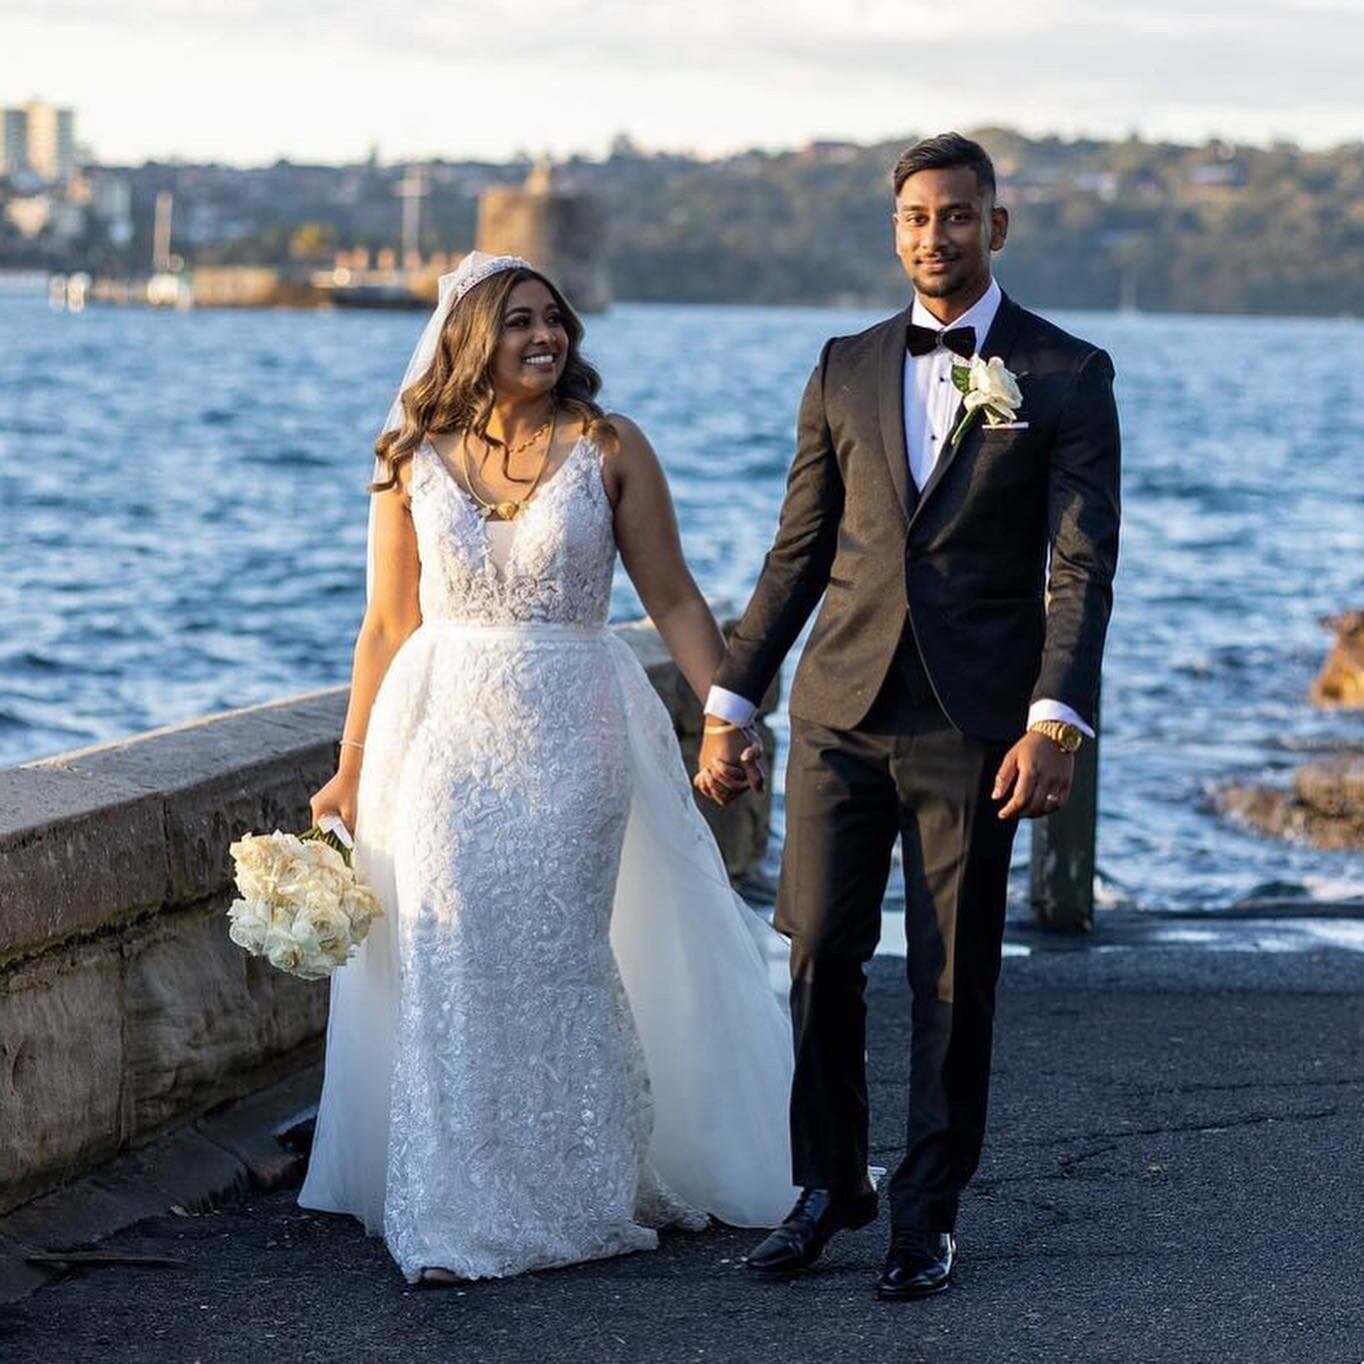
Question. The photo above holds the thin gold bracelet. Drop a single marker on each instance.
(720, 729)
(354, 743)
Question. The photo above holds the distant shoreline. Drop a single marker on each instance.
(34, 289)
(1213, 229)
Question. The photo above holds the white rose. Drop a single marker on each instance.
(993, 387)
(289, 946)
(261, 860)
(282, 952)
(308, 887)
(362, 905)
(248, 924)
(316, 966)
(332, 927)
(323, 952)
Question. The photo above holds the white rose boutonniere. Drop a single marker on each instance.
(988, 387)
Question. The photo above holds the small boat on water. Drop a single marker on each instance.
(377, 296)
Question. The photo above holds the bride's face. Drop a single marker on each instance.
(533, 347)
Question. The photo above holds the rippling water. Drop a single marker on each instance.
(183, 516)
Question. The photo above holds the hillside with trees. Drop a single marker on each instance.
(1096, 224)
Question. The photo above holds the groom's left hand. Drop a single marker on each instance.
(1035, 776)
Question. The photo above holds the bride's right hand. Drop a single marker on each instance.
(337, 797)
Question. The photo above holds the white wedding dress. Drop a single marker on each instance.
(561, 1035)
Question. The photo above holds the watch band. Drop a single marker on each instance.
(1066, 737)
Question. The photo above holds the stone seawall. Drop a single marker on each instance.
(124, 1008)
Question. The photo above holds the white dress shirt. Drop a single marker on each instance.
(931, 398)
(930, 404)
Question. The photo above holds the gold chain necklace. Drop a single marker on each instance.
(512, 507)
(526, 444)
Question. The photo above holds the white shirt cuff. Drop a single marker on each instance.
(725, 705)
(1056, 710)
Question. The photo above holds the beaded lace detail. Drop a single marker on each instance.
(558, 568)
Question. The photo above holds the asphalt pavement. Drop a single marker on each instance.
(1174, 1172)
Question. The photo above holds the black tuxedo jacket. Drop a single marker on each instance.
(962, 566)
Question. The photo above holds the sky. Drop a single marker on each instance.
(247, 81)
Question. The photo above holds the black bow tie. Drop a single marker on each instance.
(960, 340)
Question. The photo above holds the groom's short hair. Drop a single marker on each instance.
(947, 151)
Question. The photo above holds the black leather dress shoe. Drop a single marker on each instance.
(818, 1214)
(919, 1264)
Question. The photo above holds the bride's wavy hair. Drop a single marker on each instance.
(456, 392)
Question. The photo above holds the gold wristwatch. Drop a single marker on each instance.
(1065, 736)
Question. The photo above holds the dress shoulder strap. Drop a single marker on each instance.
(421, 465)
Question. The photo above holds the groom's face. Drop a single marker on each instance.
(946, 226)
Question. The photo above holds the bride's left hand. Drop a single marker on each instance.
(337, 797)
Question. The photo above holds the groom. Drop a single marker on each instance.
(950, 676)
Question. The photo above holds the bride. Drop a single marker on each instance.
(560, 1036)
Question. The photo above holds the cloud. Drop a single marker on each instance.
(495, 75)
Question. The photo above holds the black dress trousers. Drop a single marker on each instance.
(904, 771)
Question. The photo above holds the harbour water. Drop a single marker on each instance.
(183, 512)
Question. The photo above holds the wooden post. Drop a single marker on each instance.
(1063, 850)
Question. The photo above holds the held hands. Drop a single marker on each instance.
(730, 762)
(1035, 776)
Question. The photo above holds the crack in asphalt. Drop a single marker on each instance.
(1157, 1129)
(1174, 1091)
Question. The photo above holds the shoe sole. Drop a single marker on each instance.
(791, 1272)
(892, 1295)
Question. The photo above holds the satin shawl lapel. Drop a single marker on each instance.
(891, 399)
(999, 340)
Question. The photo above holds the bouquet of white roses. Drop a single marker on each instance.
(302, 906)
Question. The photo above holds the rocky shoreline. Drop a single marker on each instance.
(1324, 805)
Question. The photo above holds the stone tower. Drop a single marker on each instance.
(560, 231)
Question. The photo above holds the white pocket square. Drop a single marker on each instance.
(1005, 426)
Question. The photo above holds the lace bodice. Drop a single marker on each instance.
(558, 566)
